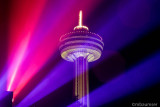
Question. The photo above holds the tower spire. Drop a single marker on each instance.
(80, 18)
(80, 25)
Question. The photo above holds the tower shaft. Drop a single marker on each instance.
(81, 82)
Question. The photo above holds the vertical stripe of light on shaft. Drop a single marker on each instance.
(76, 82)
(87, 84)
(81, 79)
(83, 84)
(84, 70)
(78, 70)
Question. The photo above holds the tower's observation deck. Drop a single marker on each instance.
(81, 46)
(81, 43)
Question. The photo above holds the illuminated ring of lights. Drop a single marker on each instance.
(91, 53)
(84, 33)
(81, 42)
(82, 37)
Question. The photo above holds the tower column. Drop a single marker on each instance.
(81, 82)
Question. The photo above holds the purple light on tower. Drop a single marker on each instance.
(81, 47)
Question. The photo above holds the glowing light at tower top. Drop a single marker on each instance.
(80, 18)
(80, 25)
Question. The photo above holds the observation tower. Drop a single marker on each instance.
(81, 46)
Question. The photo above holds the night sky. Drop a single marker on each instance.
(31, 66)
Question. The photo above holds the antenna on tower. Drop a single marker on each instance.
(80, 25)
(80, 18)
